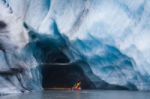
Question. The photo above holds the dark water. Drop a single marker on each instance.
(81, 95)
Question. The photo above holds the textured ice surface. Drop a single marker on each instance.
(111, 36)
(18, 68)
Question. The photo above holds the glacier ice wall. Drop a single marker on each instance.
(18, 67)
(111, 37)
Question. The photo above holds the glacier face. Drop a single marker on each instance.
(111, 37)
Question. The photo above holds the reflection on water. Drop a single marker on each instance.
(81, 95)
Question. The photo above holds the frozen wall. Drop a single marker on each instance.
(110, 36)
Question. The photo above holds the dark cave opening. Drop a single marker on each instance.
(64, 76)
